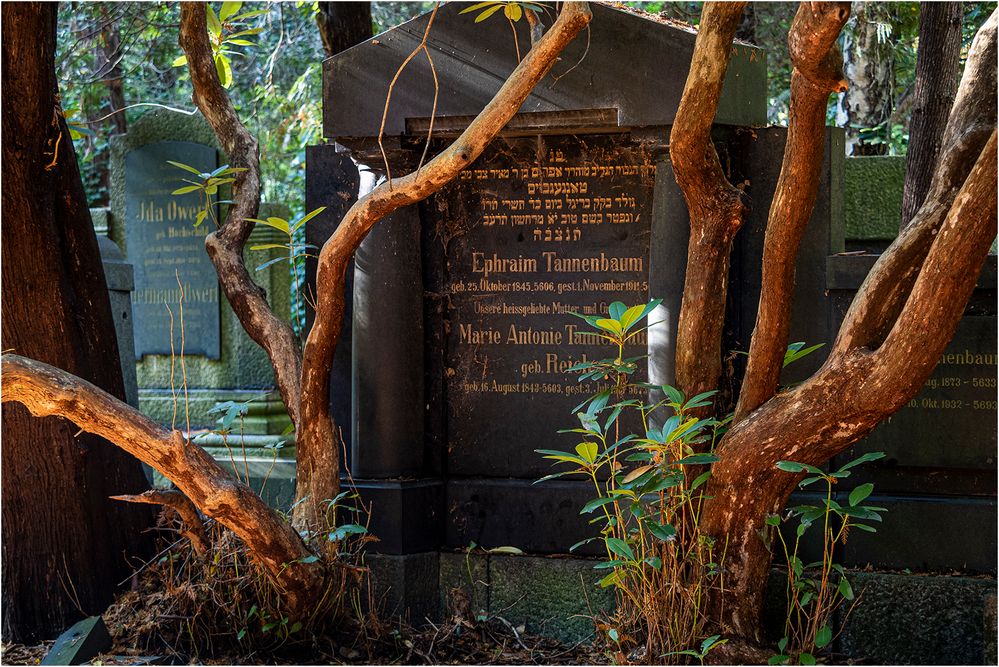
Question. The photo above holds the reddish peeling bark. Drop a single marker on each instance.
(318, 462)
(225, 246)
(897, 327)
(715, 205)
(816, 420)
(272, 542)
(817, 73)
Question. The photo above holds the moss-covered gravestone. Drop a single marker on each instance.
(156, 230)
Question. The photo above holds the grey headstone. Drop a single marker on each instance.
(164, 245)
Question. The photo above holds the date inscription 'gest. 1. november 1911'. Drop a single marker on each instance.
(537, 228)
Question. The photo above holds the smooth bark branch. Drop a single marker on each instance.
(938, 66)
(817, 73)
(844, 400)
(716, 207)
(225, 246)
(318, 478)
(271, 541)
(194, 527)
(972, 119)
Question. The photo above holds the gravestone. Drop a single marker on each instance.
(221, 362)
(167, 250)
(462, 325)
(538, 229)
(938, 478)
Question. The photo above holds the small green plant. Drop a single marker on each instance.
(297, 249)
(712, 642)
(512, 10)
(208, 186)
(226, 30)
(816, 590)
(644, 458)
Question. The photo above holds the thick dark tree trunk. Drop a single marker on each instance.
(343, 25)
(66, 546)
(938, 68)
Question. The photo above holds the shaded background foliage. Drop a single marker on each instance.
(130, 47)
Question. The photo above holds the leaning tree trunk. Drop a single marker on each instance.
(66, 546)
(938, 67)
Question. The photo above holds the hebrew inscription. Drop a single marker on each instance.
(537, 229)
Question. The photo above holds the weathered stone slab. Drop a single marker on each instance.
(536, 229)
(83, 641)
(167, 250)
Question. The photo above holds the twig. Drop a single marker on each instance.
(195, 527)
(388, 97)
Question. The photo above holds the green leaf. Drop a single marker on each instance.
(506, 550)
(241, 634)
(613, 326)
(806, 659)
(310, 559)
(674, 394)
(823, 636)
(489, 12)
(185, 167)
(214, 25)
(180, 61)
(308, 216)
(184, 190)
(870, 456)
(478, 5)
(594, 504)
(792, 466)
(268, 246)
(772, 520)
(581, 543)
(631, 316)
(202, 214)
(228, 9)
(344, 531)
(864, 527)
(700, 479)
(279, 224)
(295, 627)
(612, 579)
(860, 493)
(620, 547)
(844, 588)
(778, 660)
(513, 11)
(224, 70)
(664, 532)
(612, 633)
(616, 310)
(587, 450)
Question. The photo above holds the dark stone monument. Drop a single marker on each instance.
(460, 328)
(168, 250)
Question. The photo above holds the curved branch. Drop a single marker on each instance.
(194, 527)
(318, 471)
(225, 246)
(274, 545)
(817, 73)
(715, 205)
